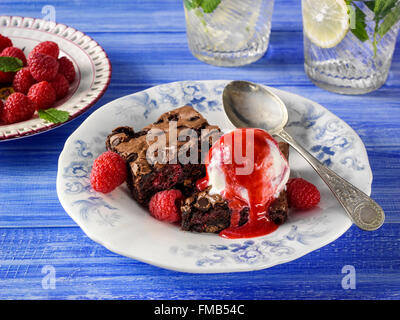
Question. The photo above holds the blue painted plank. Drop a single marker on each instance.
(134, 16)
(86, 270)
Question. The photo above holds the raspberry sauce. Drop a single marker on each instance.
(254, 172)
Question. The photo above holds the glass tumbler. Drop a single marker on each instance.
(228, 32)
(358, 60)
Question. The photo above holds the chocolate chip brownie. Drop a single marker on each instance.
(175, 163)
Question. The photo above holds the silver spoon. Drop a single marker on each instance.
(253, 106)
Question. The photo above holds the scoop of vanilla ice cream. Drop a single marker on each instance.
(276, 164)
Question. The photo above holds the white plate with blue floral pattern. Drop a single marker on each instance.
(117, 222)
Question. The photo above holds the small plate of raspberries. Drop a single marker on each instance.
(133, 175)
(49, 74)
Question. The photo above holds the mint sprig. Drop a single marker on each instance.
(386, 15)
(10, 64)
(54, 115)
(208, 6)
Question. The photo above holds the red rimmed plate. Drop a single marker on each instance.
(93, 68)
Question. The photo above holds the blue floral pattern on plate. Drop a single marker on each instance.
(117, 222)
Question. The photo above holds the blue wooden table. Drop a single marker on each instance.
(146, 43)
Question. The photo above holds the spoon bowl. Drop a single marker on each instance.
(249, 105)
(253, 112)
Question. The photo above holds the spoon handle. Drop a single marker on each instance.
(363, 211)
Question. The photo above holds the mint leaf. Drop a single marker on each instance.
(192, 4)
(53, 115)
(360, 30)
(379, 5)
(209, 5)
(10, 64)
(370, 5)
(389, 21)
(383, 7)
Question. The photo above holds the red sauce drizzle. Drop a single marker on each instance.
(257, 183)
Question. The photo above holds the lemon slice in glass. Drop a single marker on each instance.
(325, 22)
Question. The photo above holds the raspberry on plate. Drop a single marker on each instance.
(108, 172)
(60, 85)
(5, 42)
(14, 52)
(67, 69)
(165, 205)
(42, 95)
(18, 107)
(302, 194)
(47, 47)
(23, 80)
(42, 66)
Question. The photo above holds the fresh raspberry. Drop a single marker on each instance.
(42, 95)
(67, 69)
(6, 77)
(60, 85)
(18, 108)
(5, 42)
(108, 172)
(165, 205)
(14, 52)
(23, 80)
(302, 194)
(43, 67)
(167, 177)
(48, 47)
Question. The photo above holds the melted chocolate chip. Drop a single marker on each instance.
(173, 117)
(203, 204)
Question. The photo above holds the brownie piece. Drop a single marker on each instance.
(203, 212)
(164, 170)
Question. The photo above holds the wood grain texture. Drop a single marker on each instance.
(88, 271)
(146, 43)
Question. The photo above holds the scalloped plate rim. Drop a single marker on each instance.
(103, 88)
